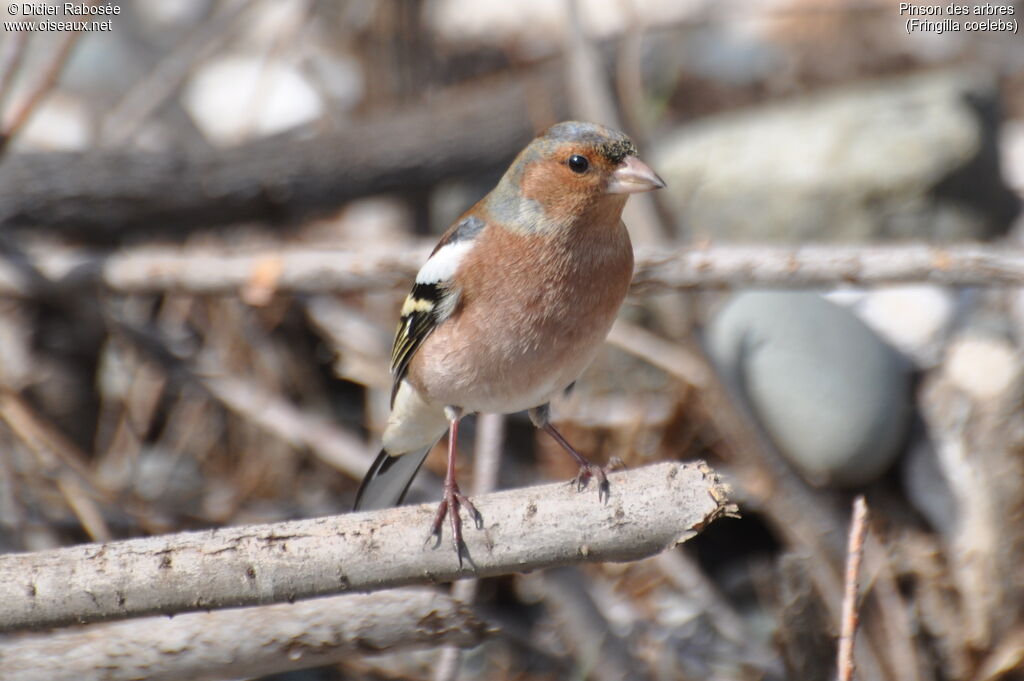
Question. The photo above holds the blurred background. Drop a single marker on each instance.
(172, 358)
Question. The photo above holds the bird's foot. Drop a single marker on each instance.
(451, 502)
(590, 470)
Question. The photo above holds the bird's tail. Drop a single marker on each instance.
(388, 479)
(414, 427)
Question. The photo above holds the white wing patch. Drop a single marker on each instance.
(442, 265)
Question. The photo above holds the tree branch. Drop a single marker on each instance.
(244, 642)
(851, 584)
(307, 270)
(109, 196)
(799, 266)
(651, 509)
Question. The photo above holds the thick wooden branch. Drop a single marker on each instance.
(307, 270)
(650, 509)
(243, 642)
(107, 196)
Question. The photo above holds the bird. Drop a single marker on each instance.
(510, 308)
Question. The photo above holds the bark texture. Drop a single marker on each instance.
(650, 509)
(308, 270)
(243, 642)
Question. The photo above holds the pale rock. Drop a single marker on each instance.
(832, 396)
(913, 318)
(239, 96)
(543, 21)
(59, 123)
(1011, 143)
(897, 158)
(984, 367)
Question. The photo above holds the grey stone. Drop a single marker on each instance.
(911, 157)
(831, 395)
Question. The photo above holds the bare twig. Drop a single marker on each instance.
(111, 195)
(806, 517)
(598, 651)
(125, 118)
(978, 437)
(854, 557)
(264, 408)
(320, 270)
(14, 54)
(244, 642)
(688, 578)
(14, 123)
(592, 98)
(775, 266)
(668, 356)
(360, 342)
(1006, 657)
(490, 436)
(275, 415)
(651, 509)
(803, 636)
(59, 458)
(894, 613)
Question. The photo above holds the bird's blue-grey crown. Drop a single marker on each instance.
(612, 144)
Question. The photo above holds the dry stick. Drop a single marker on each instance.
(128, 115)
(806, 517)
(273, 414)
(490, 434)
(894, 612)
(262, 407)
(59, 458)
(687, 576)
(966, 264)
(11, 61)
(651, 509)
(323, 270)
(361, 344)
(854, 557)
(672, 358)
(592, 99)
(244, 642)
(1006, 656)
(108, 196)
(597, 651)
(21, 114)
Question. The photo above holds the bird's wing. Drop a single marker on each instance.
(433, 298)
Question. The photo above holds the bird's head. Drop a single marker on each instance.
(572, 170)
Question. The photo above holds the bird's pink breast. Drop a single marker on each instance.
(531, 318)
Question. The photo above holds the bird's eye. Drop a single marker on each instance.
(578, 164)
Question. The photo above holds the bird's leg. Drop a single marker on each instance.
(453, 498)
(540, 417)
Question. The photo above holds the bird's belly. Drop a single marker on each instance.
(512, 366)
(512, 391)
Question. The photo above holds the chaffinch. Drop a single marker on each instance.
(511, 306)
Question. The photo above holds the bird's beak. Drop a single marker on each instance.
(632, 177)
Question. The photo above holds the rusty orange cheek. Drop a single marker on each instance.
(557, 189)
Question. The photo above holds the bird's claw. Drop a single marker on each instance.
(600, 473)
(451, 502)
